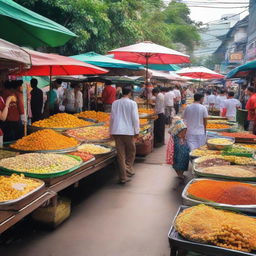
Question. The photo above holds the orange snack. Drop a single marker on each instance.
(217, 126)
(44, 140)
(226, 192)
(62, 120)
(98, 116)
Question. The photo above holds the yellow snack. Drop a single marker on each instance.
(220, 141)
(93, 149)
(222, 228)
(62, 120)
(16, 186)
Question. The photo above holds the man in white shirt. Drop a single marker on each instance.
(124, 127)
(231, 106)
(220, 100)
(159, 124)
(195, 117)
(168, 104)
(177, 99)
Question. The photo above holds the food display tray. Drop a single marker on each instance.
(32, 128)
(218, 176)
(17, 204)
(195, 201)
(48, 175)
(57, 151)
(103, 154)
(176, 241)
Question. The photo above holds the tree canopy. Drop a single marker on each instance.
(102, 25)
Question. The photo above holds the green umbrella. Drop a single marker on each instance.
(162, 67)
(243, 70)
(21, 26)
(105, 61)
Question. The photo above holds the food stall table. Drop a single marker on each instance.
(9, 218)
(59, 183)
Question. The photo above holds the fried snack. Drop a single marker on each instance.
(92, 133)
(98, 116)
(44, 140)
(62, 120)
(208, 225)
(16, 186)
(39, 163)
(93, 149)
(228, 170)
(220, 141)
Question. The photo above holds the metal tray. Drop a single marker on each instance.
(44, 175)
(218, 176)
(191, 202)
(32, 128)
(177, 241)
(57, 151)
(16, 203)
(102, 145)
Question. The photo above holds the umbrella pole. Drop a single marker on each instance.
(147, 58)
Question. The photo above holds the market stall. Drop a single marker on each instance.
(218, 215)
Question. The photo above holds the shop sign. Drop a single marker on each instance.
(236, 57)
(251, 51)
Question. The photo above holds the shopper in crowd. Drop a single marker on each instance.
(231, 105)
(220, 99)
(125, 127)
(51, 105)
(195, 117)
(36, 101)
(177, 148)
(244, 96)
(159, 124)
(177, 99)
(108, 96)
(169, 98)
(12, 127)
(251, 107)
(73, 99)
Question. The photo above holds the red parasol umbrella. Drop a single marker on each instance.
(149, 53)
(48, 64)
(199, 73)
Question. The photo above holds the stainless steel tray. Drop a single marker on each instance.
(191, 202)
(177, 241)
(219, 176)
(57, 151)
(102, 145)
(16, 203)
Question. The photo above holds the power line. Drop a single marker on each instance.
(217, 7)
(227, 18)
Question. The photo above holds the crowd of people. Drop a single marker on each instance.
(188, 131)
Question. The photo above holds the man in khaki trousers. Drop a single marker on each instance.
(124, 127)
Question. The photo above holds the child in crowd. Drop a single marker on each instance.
(177, 148)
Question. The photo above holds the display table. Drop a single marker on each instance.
(52, 187)
(9, 218)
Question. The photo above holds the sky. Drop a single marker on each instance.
(212, 14)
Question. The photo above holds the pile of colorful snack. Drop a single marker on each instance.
(44, 140)
(226, 229)
(62, 120)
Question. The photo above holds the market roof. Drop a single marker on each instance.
(105, 61)
(13, 56)
(24, 27)
(44, 64)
